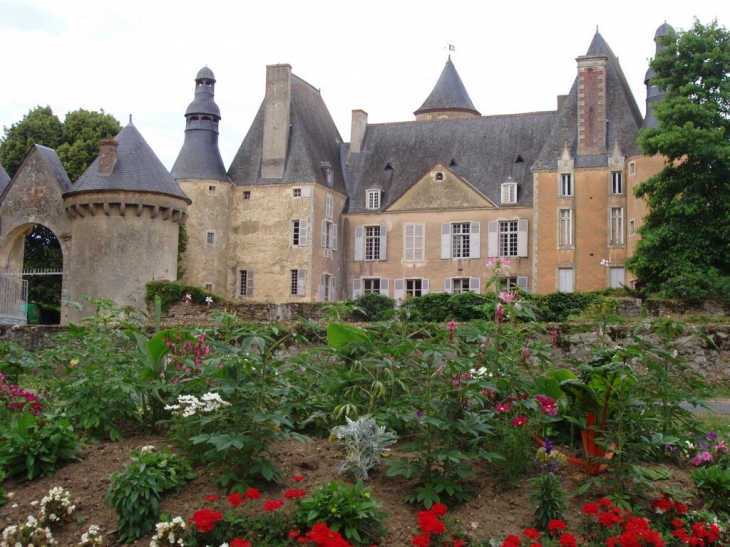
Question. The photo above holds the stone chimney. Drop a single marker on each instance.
(277, 118)
(561, 101)
(107, 156)
(357, 130)
(591, 105)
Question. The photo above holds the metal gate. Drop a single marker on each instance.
(13, 300)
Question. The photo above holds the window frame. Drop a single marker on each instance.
(510, 188)
(371, 242)
(617, 180)
(245, 283)
(210, 238)
(414, 243)
(300, 232)
(372, 199)
(616, 227)
(565, 227)
(509, 239)
(566, 186)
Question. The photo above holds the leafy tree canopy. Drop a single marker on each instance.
(76, 140)
(684, 251)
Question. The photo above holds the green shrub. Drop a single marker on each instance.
(432, 307)
(557, 307)
(372, 307)
(172, 293)
(714, 485)
(135, 492)
(697, 286)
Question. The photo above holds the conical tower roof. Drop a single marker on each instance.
(449, 94)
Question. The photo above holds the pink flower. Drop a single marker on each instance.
(501, 407)
(520, 420)
(506, 297)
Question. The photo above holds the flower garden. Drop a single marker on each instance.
(438, 408)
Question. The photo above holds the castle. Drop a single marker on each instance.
(403, 209)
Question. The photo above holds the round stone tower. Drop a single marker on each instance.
(653, 93)
(200, 173)
(125, 212)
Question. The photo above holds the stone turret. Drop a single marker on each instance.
(448, 100)
(653, 93)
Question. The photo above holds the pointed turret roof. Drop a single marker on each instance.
(137, 169)
(622, 112)
(200, 157)
(449, 94)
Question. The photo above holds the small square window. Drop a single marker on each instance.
(211, 238)
(632, 168)
(247, 195)
(211, 189)
(209, 286)
(296, 192)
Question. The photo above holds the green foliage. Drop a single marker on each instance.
(39, 126)
(135, 492)
(431, 307)
(349, 510)
(714, 485)
(365, 442)
(371, 307)
(684, 238)
(3, 493)
(37, 446)
(559, 306)
(182, 246)
(43, 251)
(172, 293)
(82, 131)
(548, 498)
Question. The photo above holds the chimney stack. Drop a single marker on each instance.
(107, 156)
(592, 105)
(277, 117)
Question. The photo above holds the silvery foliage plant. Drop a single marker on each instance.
(365, 442)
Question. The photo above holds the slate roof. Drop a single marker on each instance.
(137, 169)
(313, 139)
(50, 158)
(4, 179)
(485, 151)
(622, 112)
(448, 94)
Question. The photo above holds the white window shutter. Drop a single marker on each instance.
(356, 287)
(384, 286)
(301, 282)
(408, 235)
(322, 287)
(324, 233)
(357, 255)
(334, 237)
(399, 289)
(522, 238)
(446, 241)
(383, 241)
(522, 282)
(493, 239)
(418, 243)
(424, 286)
(333, 289)
(475, 284)
(249, 283)
(303, 232)
(474, 241)
(307, 192)
(447, 285)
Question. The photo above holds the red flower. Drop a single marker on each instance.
(252, 494)
(298, 478)
(293, 534)
(421, 540)
(211, 498)
(205, 519)
(235, 499)
(609, 519)
(531, 533)
(295, 494)
(239, 542)
(590, 509)
(511, 541)
(680, 507)
(273, 505)
(556, 526)
(568, 540)
(458, 543)
(677, 523)
(438, 509)
(605, 502)
(520, 420)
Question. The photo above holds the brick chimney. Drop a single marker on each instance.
(592, 105)
(277, 117)
(107, 156)
(357, 130)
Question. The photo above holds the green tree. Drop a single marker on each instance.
(82, 131)
(684, 251)
(42, 251)
(38, 126)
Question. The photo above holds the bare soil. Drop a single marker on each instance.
(493, 512)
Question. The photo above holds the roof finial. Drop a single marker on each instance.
(130, 118)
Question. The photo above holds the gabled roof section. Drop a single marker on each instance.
(55, 167)
(622, 112)
(448, 94)
(313, 141)
(4, 179)
(483, 151)
(137, 169)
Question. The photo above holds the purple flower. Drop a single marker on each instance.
(711, 436)
(419, 414)
(548, 446)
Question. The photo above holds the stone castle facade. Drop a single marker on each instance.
(403, 209)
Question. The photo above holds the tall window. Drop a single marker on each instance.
(508, 238)
(460, 285)
(566, 279)
(509, 192)
(297, 286)
(245, 283)
(372, 242)
(460, 232)
(565, 227)
(373, 199)
(616, 227)
(329, 238)
(210, 238)
(617, 182)
(413, 241)
(371, 285)
(566, 185)
(299, 232)
(414, 287)
(329, 206)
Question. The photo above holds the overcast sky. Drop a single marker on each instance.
(140, 57)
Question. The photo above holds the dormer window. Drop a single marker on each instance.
(372, 199)
(509, 191)
(327, 172)
(439, 175)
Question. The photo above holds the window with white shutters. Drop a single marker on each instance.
(413, 241)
